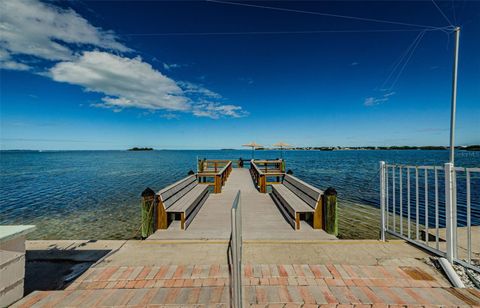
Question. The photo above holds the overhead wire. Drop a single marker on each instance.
(399, 60)
(322, 14)
(441, 12)
(271, 32)
(454, 12)
(407, 54)
(408, 59)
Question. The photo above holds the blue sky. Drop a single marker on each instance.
(202, 74)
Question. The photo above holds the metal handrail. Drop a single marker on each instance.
(236, 250)
(399, 203)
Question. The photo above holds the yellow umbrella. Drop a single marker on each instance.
(282, 145)
(252, 145)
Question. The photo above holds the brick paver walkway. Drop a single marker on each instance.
(264, 284)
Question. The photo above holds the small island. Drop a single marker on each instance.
(140, 149)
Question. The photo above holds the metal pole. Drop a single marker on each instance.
(454, 95)
(382, 200)
(449, 209)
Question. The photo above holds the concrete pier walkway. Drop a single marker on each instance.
(261, 218)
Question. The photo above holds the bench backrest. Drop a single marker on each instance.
(172, 193)
(311, 195)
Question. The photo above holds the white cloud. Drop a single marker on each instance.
(6, 62)
(125, 82)
(170, 66)
(130, 82)
(13, 65)
(29, 27)
(197, 89)
(216, 110)
(374, 101)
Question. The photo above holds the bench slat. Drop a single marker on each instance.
(305, 191)
(183, 205)
(197, 208)
(184, 197)
(282, 209)
(296, 204)
(172, 189)
(179, 194)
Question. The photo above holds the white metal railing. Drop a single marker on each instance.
(236, 252)
(416, 209)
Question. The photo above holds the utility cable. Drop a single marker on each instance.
(270, 32)
(408, 59)
(400, 60)
(441, 12)
(323, 14)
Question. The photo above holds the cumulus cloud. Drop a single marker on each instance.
(130, 82)
(374, 101)
(33, 28)
(125, 82)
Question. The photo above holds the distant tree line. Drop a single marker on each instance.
(140, 149)
(404, 147)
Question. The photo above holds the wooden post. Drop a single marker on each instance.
(331, 213)
(263, 184)
(218, 184)
(148, 203)
(318, 214)
(162, 222)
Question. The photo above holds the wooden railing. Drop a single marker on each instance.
(219, 170)
(263, 171)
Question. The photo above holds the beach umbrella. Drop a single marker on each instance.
(282, 145)
(252, 145)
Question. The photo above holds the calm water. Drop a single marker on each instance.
(95, 194)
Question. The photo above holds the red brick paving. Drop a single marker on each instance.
(291, 285)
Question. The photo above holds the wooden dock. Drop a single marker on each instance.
(261, 218)
(281, 266)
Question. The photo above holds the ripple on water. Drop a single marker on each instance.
(95, 194)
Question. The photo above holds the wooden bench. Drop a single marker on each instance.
(180, 201)
(297, 201)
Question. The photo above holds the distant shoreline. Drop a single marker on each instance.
(135, 149)
(466, 148)
(365, 148)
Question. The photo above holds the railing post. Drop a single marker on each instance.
(218, 184)
(263, 184)
(382, 201)
(449, 210)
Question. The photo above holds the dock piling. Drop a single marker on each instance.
(331, 213)
(148, 201)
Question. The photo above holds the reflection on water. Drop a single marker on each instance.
(95, 194)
